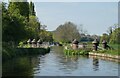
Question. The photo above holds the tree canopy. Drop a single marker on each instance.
(31, 9)
(66, 32)
(20, 22)
(104, 37)
(13, 25)
(115, 36)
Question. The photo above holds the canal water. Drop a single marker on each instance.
(56, 63)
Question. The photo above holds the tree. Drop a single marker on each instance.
(13, 28)
(3, 6)
(95, 37)
(115, 36)
(13, 24)
(46, 36)
(104, 37)
(113, 33)
(21, 8)
(31, 9)
(33, 27)
(86, 38)
(66, 32)
(19, 24)
(81, 30)
(110, 30)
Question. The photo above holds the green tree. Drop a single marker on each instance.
(115, 36)
(46, 36)
(33, 27)
(13, 28)
(13, 24)
(104, 37)
(66, 32)
(3, 6)
(20, 24)
(31, 9)
(21, 8)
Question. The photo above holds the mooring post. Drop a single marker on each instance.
(33, 43)
(38, 43)
(95, 45)
(29, 42)
(75, 44)
(104, 44)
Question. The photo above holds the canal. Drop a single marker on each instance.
(56, 63)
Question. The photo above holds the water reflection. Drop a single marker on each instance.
(95, 64)
(40, 65)
(22, 66)
(56, 63)
(66, 63)
(69, 64)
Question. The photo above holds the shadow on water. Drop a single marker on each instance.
(20, 66)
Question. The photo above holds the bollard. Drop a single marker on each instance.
(75, 44)
(104, 44)
(95, 45)
(38, 43)
(84, 45)
(33, 43)
(29, 42)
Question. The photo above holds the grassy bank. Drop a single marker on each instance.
(32, 51)
(115, 49)
(112, 52)
(10, 51)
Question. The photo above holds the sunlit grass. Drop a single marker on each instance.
(114, 50)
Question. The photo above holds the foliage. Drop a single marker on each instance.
(22, 45)
(112, 52)
(46, 36)
(9, 51)
(104, 37)
(31, 9)
(115, 36)
(21, 8)
(66, 32)
(13, 28)
(17, 27)
(14, 22)
(110, 30)
(33, 27)
(86, 38)
(19, 24)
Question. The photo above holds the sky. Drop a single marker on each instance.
(95, 17)
(64, 0)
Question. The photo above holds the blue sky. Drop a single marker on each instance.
(96, 17)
